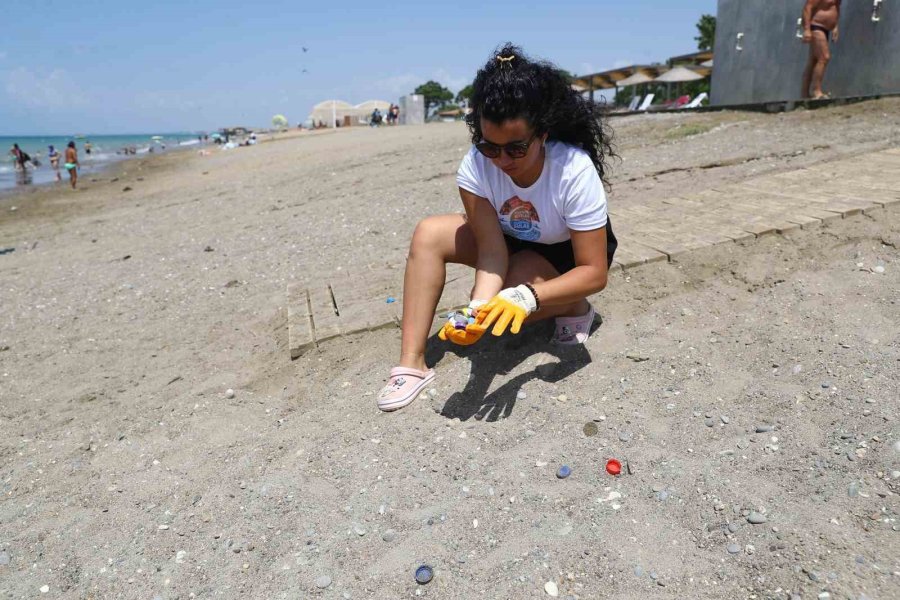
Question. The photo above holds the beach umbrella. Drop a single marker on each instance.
(156, 138)
(678, 75)
(635, 78)
(708, 63)
(279, 121)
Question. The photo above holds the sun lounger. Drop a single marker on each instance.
(648, 100)
(632, 106)
(696, 102)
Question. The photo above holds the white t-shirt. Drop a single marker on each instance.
(567, 195)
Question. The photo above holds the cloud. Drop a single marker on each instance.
(396, 85)
(52, 90)
(164, 100)
(455, 84)
(402, 84)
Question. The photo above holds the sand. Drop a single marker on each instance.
(127, 472)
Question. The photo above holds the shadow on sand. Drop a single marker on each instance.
(492, 357)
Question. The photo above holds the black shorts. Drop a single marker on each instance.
(561, 255)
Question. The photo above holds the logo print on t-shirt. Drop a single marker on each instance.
(519, 219)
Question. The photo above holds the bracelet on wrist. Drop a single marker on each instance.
(537, 301)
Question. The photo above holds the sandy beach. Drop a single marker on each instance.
(755, 381)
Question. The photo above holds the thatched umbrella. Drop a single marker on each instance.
(636, 78)
(678, 75)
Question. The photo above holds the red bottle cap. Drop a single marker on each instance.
(613, 467)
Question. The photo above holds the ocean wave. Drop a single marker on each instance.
(189, 143)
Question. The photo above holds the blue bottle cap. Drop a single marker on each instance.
(563, 472)
(391, 300)
(424, 574)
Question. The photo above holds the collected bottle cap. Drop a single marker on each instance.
(613, 467)
(424, 574)
(564, 471)
(390, 300)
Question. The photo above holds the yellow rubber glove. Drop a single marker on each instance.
(512, 305)
(464, 337)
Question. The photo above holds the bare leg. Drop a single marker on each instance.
(807, 72)
(531, 267)
(819, 45)
(436, 241)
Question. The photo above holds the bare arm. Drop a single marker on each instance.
(807, 13)
(807, 20)
(588, 277)
(493, 257)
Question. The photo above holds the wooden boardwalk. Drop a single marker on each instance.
(649, 231)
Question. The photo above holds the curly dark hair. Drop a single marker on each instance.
(512, 86)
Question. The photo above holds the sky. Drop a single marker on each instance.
(122, 66)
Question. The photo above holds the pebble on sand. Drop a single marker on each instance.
(756, 518)
(733, 548)
(551, 589)
(879, 269)
(229, 393)
(764, 428)
(323, 582)
(624, 436)
(389, 535)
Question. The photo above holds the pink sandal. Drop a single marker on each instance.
(573, 330)
(403, 387)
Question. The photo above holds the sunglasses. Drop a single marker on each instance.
(513, 149)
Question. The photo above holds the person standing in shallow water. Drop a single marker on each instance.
(535, 226)
(820, 26)
(53, 155)
(72, 164)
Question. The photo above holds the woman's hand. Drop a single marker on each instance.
(471, 332)
(512, 305)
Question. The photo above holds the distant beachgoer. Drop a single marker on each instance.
(87, 146)
(535, 227)
(376, 118)
(820, 25)
(72, 164)
(395, 113)
(53, 155)
(20, 157)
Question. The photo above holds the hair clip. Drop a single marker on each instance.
(505, 59)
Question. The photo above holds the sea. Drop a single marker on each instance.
(105, 150)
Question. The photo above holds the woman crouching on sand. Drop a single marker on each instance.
(535, 226)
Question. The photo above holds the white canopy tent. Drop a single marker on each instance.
(330, 111)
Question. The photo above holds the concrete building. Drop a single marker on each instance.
(760, 58)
